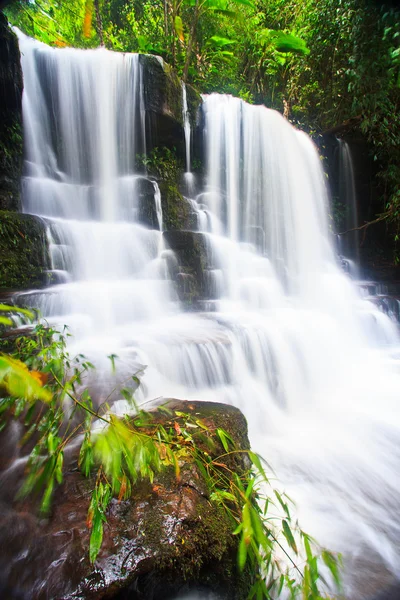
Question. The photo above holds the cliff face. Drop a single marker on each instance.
(11, 85)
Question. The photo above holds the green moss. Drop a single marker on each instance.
(176, 209)
(23, 251)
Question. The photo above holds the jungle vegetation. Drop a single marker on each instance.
(323, 63)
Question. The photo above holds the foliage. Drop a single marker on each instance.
(162, 163)
(55, 408)
(321, 62)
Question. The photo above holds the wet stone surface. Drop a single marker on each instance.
(167, 539)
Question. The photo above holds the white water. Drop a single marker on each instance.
(291, 342)
(188, 176)
(349, 243)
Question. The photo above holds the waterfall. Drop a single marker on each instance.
(289, 339)
(188, 175)
(82, 136)
(349, 243)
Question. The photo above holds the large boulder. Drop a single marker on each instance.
(11, 86)
(169, 537)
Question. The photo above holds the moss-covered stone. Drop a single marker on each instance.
(23, 251)
(168, 537)
(177, 212)
(11, 85)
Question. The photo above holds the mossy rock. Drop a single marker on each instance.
(11, 85)
(169, 537)
(23, 251)
(177, 211)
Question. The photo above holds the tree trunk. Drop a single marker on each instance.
(99, 22)
(191, 41)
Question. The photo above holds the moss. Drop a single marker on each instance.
(23, 251)
(177, 213)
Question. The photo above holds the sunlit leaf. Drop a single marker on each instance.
(19, 382)
(179, 28)
(286, 42)
(221, 41)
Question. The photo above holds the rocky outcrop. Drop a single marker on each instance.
(23, 251)
(169, 537)
(10, 117)
(163, 101)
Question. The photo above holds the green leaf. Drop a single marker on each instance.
(179, 28)
(96, 537)
(287, 532)
(5, 321)
(286, 42)
(242, 553)
(221, 41)
(255, 459)
(282, 503)
(332, 562)
(23, 311)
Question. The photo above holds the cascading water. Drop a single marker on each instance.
(188, 175)
(290, 341)
(349, 243)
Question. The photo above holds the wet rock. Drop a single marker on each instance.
(23, 251)
(163, 101)
(11, 85)
(177, 210)
(168, 538)
(194, 262)
(146, 209)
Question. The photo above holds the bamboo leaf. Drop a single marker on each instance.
(96, 537)
(287, 532)
(242, 553)
(332, 562)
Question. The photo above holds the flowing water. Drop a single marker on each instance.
(347, 197)
(289, 339)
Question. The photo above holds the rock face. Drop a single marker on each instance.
(163, 102)
(23, 251)
(192, 275)
(168, 538)
(10, 117)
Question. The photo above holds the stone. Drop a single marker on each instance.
(193, 255)
(167, 538)
(162, 90)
